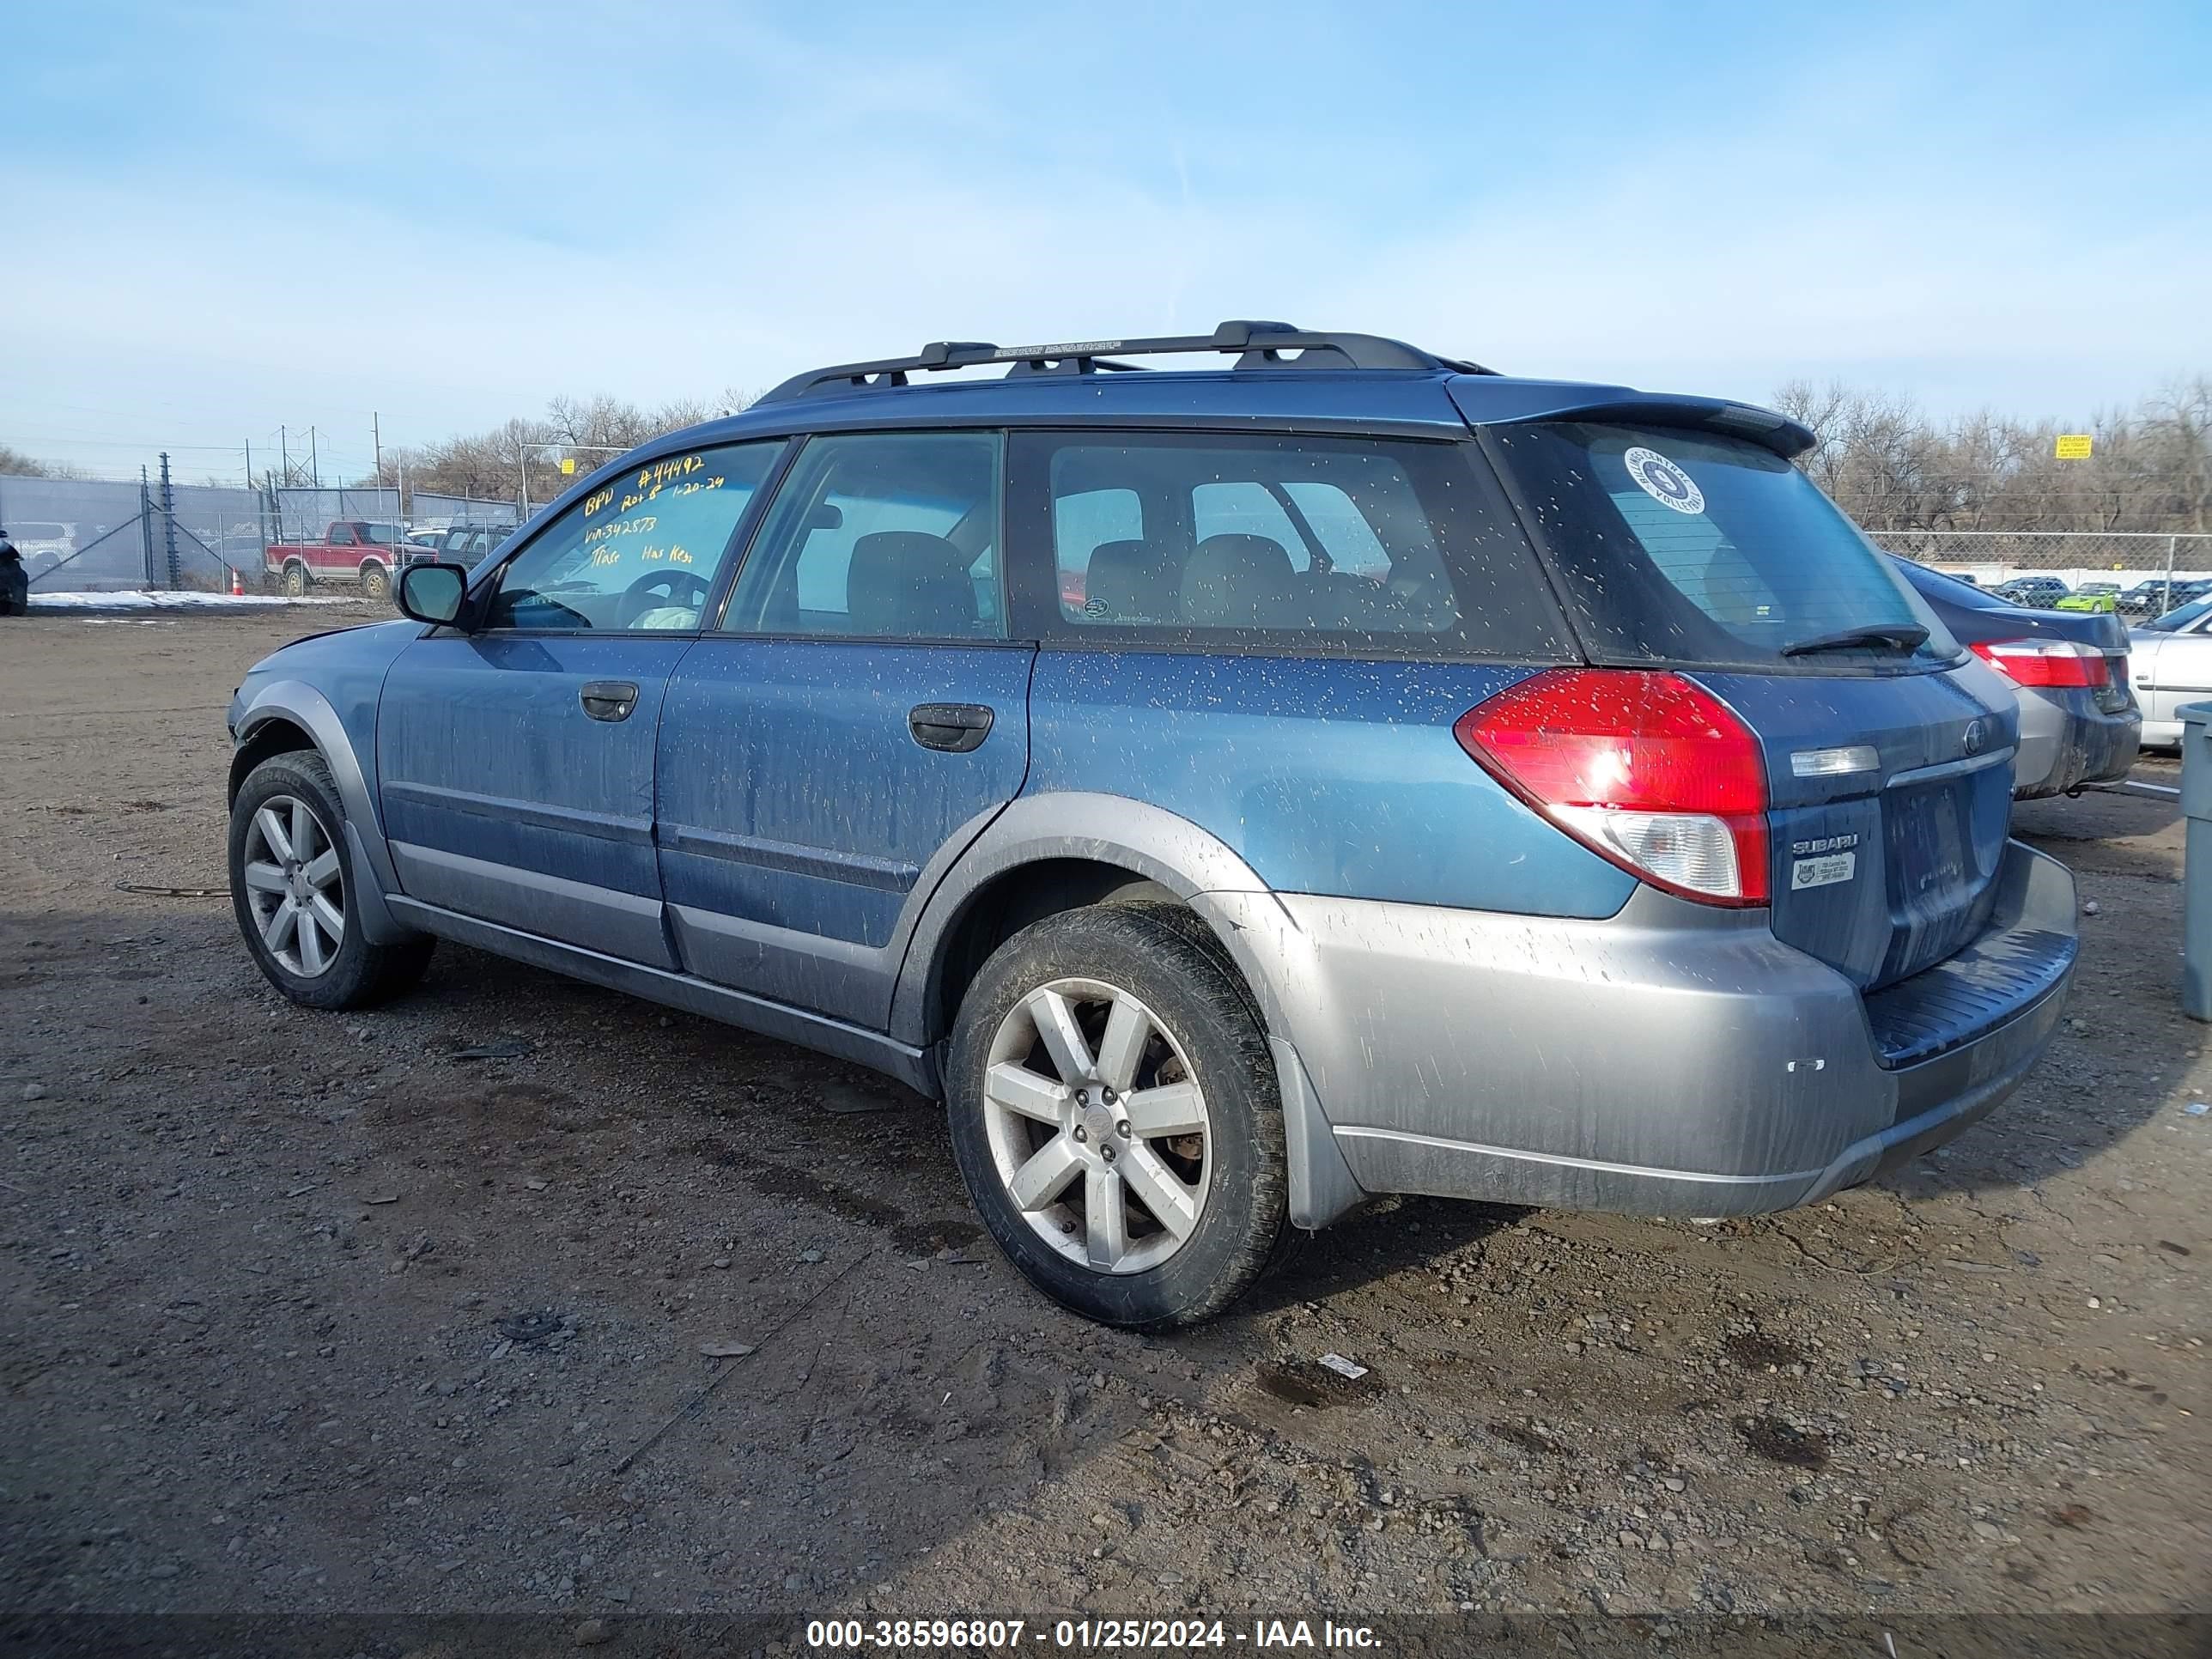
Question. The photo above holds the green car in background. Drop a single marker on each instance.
(2092, 596)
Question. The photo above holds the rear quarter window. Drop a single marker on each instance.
(1327, 544)
(1680, 547)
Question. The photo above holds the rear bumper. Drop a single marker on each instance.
(1675, 1060)
(2066, 741)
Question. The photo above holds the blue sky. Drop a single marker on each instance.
(222, 218)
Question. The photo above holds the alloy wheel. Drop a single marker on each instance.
(295, 884)
(1096, 1126)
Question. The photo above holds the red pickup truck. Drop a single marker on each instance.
(351, 550)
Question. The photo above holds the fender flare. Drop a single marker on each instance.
(1189, 861)
(310, 710)
(1147, 841)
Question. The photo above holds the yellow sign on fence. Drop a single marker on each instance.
(2074, 447)
(568, 462)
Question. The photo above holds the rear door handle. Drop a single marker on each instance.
(608, 700)
(953, 727)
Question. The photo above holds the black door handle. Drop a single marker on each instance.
(954, 727)
(608, 700)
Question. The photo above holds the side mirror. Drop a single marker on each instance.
(433, 592)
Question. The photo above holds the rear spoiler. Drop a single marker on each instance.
(1507, 402)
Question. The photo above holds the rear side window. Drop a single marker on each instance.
(1678, 547)
(2181, 619)
(891, 535)
(1940, 586)
(1289, 542)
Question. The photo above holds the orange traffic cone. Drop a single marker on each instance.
(237, 584)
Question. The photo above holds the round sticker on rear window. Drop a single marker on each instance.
(1663, 482)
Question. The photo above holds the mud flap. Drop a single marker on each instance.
(1322, 1186)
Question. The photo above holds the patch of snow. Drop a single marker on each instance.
(140, 599)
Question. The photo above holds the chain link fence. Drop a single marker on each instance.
(429, 511)
(304, 514)
(88, 535)
(83, 536)
(2144, 574)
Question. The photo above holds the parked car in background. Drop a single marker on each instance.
(1500, 789)
(2090, 596)
(467, 544)
(2079, 722)
(352, 550)
(14, 583)
(2172, 659)
(44, 545)
(2155, 599)
(2036, 593)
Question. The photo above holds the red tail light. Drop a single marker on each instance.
(2049, 663)
(1645, 769)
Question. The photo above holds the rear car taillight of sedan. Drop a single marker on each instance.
(1645, 769)
(2047, 665)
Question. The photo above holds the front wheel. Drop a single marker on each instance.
(1115, 1113)
(291, 886)
(375, 580)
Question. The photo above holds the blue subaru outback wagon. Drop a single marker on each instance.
(1342, 770)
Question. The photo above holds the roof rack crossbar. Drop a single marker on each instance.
(1259, 345)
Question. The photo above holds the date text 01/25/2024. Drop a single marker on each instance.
(1085, 1635)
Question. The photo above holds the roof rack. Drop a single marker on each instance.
(1260, 345)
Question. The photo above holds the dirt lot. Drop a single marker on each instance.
(319, 1313)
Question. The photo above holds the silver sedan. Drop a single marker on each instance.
(2171, 658)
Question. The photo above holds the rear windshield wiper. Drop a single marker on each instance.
(1901, 636)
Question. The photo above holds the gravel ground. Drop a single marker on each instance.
(408, 1310)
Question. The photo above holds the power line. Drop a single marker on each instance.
(150, 445)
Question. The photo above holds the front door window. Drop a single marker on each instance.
(640, 553)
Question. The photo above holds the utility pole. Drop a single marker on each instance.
(314, 461)
(249, 463)
(376, 437)
(169, 519)
(284, 453)
(146, 527)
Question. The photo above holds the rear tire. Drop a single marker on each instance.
(1115, 1113)
(296, 581)
(291, 887)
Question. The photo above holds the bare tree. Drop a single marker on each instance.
(489, 465)
(14, 463)
(1892, 467)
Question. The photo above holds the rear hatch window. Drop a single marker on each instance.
(1888, 773)
(1696, 549)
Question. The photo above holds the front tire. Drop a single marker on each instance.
(291, 886)
(375, 580)
(1115, 1113)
